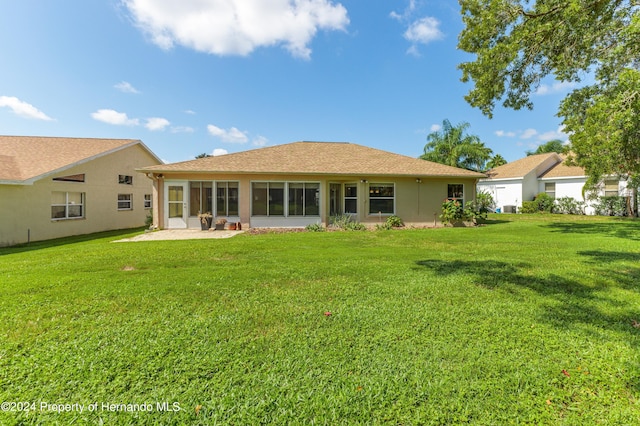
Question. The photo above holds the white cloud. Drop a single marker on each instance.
(502, 133)
(126, 87)
(560, 86)
(435, 127)
(422, 31)
(156, 123)
(190, 112)
(219, 151)
(232, 135)
(260, 141)
(554, 134)
(110, 116)
(23, 109)
(182, 129)
(528, 134)
(237, 27)
(407, 12)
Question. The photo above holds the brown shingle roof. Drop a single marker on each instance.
(327, 158)
(562, 170)
(520, 168)
(26, 158)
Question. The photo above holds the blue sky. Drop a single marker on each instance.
(194, 76)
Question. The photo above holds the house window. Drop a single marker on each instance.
(70, 178)
(455, 191)
(67, 205)
(125, 180)
(611, 188)
(304, 199)
(381, 198)
(550, 189)
(125, 202)
(200, 198)
(270, 199)
(147, 201)
(351, 198)
(227, 198)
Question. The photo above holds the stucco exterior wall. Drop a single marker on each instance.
(415, 202)
(504, 192)
(25, 210)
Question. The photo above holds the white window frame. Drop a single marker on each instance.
(611, 183)
(393, 198)
(285, 198)
(454, 197)
(225, 184)
(123, 200)
(148, 201)
(550, 192)
(345, 197)
(68, 204)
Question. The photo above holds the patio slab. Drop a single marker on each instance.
(179, 234)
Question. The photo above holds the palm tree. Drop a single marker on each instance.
(496, 160)
(555, 145)
(453, 147)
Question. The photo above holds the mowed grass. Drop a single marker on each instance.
(527, 320)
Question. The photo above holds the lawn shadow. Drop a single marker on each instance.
(57, 242)
(579, 301)
(625, 275)
(622, 228)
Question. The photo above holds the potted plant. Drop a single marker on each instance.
(205, 220)
(220, 224)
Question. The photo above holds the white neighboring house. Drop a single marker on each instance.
(521, 180)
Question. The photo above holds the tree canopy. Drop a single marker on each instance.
(518, 43)
(452, 146)
(496, 161)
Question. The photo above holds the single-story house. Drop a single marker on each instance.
(54, 187)
(521, 180)
(303, 183)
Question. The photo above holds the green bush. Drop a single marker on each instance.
(611, 206)
(484, 202)
(394, 222)
(383, 227)
(529, 207)
(569, 205)
(452, 211)
(315, 227)
(545, 202)
(346, 223)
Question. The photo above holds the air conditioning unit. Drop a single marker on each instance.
(509, 209)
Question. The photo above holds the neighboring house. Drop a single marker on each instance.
(523, 179)
(302, 183)
(55, 187)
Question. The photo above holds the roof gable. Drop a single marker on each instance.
(25, 159)
(328, 158)
(539, 164)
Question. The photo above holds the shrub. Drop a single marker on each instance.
(394, 222)
(529, 207)
(315, 227)
(452, 211)
(383, 227)
(484, 202)
(545, 202)
(148, 221)
(346, 223)
(569, 205)
(611, 206)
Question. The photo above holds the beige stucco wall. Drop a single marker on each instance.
(25, 210)
(417, 203)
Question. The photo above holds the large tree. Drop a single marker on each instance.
(451, 145)
(518, 43)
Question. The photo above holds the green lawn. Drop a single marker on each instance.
(527, 320)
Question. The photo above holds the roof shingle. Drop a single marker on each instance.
(324, 158)
(520, 168)
(24, 158)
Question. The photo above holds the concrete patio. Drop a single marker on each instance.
(179, 234)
